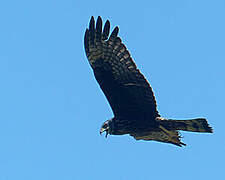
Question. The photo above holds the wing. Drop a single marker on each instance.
(128, 92)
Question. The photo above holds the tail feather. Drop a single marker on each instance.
(194, 125)
(168, 130)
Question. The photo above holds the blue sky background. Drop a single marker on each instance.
(51, 107)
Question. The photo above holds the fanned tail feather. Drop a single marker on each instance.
(168, 130)
(194, 125)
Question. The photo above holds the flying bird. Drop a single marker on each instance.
(128, 92)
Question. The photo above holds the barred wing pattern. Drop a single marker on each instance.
(126, 89)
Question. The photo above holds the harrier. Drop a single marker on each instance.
(128, 92)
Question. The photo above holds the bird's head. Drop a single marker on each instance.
(105, 128)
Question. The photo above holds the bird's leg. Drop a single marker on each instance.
(164, 129)
(168, 133)
(106, 134)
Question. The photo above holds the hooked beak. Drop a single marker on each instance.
(104, 130)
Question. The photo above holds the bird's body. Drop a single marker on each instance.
(128, 92)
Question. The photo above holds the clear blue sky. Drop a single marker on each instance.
(51, 107)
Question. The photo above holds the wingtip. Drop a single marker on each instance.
(106, 30)
(117, 29)
(99, 18)
(92, 20)
(92, 23)
(107, 21)
(115, 32)
(99, 25)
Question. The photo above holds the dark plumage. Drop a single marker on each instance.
(128, 92)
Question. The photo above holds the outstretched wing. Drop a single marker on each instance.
(128, 92)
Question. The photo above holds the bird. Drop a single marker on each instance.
(128, 92)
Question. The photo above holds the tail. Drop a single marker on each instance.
(194, 125)
(168, 133)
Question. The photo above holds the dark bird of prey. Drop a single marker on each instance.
(128, 92)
